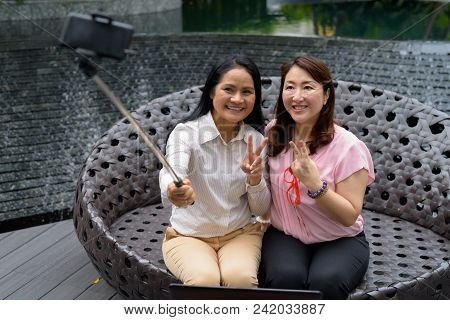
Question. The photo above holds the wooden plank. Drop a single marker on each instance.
(4, 235)
(74, 285)
(48, 257)
(33, 270)
(16, 239)
(44, 269)
(11, 282)
(48, 276)
(32, 249)
(100, 291)
(117, 296)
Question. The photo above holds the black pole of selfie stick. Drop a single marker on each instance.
(89, 69)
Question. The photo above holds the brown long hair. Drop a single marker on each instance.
(323, 131)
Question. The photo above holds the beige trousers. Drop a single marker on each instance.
(231, 260)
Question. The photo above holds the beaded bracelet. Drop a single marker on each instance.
(323, 189)
(261, 220)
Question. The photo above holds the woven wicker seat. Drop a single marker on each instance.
(120, 222)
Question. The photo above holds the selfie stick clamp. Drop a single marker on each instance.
(90, 71)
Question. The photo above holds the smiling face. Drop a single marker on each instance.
(303, 97)
(233, 98)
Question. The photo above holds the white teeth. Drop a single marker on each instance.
(298, 108)
(235, 108)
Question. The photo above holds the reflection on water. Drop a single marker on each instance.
(383, 19)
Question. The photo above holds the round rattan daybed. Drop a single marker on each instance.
(120, 221)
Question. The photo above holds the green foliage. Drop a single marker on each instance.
(296, 12)
(227, 16)
(442, 23)
(380, 19)
(387, 19)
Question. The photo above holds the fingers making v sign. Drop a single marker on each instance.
(253, 164)
(304, 168)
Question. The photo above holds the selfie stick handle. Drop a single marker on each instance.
(149, 142)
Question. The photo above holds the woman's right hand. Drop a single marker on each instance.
(182, 196)
(253, 163)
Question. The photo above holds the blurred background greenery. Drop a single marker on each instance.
(382, 19)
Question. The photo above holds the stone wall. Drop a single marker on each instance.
(154, 23)
(51, 9)
(51, 115)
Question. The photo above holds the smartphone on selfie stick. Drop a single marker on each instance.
(98, 35)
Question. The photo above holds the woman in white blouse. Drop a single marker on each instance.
(211, 240)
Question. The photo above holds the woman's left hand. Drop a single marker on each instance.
(253, 164)
(304, 168)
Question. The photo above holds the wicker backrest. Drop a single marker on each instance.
(121, 173)
(408, 141)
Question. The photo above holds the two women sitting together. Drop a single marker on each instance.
(304, 180)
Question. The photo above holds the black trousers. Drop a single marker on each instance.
(333, 267)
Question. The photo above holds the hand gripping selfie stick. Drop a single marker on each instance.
(101, 36)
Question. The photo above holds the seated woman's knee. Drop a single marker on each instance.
(239, 279)
(284, 277)
(205, 278)
(330, 284)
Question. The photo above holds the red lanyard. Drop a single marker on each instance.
(293, 184)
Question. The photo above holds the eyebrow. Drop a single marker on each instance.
(232, 85)
(304, 82)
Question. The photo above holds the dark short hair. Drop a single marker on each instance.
(255, 118)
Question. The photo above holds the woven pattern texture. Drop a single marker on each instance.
(120, 221)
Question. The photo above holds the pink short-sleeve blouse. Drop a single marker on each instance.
(345, 155)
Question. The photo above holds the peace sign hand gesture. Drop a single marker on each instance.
(304, 168)
(253, 164)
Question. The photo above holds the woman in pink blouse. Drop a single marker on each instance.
(318, 175)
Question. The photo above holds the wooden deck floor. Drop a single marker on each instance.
(48, 262)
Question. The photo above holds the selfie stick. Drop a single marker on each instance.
(89, 69)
